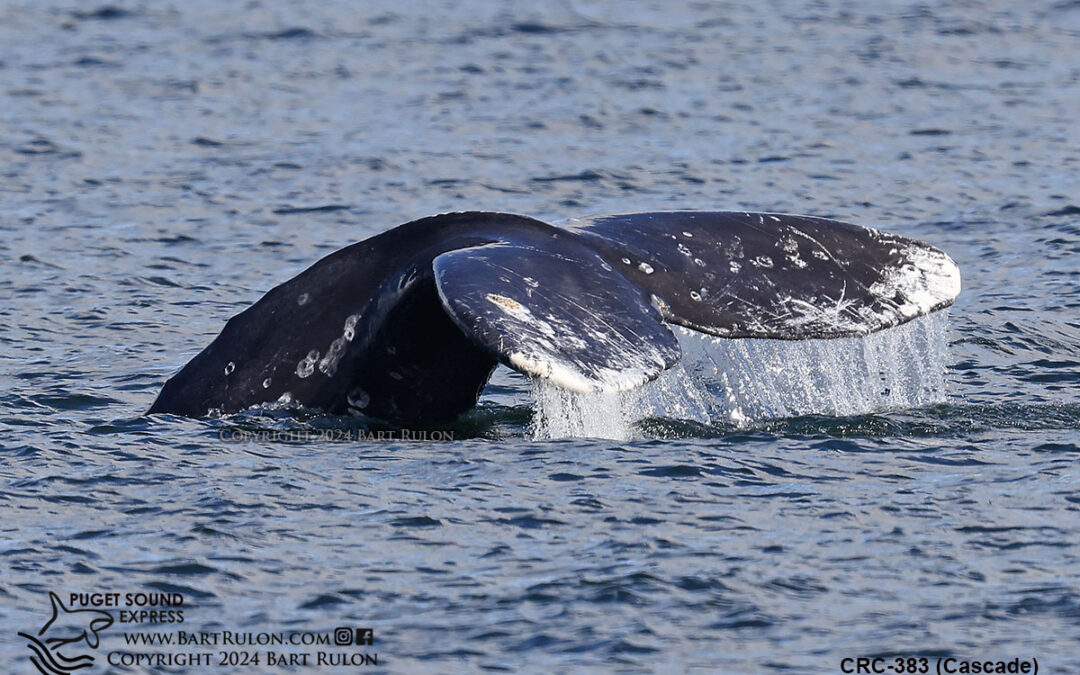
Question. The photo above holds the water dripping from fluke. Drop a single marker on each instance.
(746, 382)
(561, 413)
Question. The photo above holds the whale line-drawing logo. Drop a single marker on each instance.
(65, 630)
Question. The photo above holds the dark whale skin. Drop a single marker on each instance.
(407, 326)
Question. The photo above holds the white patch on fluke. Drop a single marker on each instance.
(509, 305)
(521, 313)
(559, 373)
(928, 280)
(828, 315)
(329, 363)
(350, 327)
(306, 366)
(571, 376)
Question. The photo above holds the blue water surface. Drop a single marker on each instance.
(164, 164)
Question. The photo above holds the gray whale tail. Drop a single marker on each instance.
(407, 326)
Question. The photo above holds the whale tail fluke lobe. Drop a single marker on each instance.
(407, 325)
(561, 313)
(778, 276)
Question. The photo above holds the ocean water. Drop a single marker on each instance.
(164, 164)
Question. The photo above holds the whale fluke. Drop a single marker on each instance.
(773, 275)
(407, 326)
